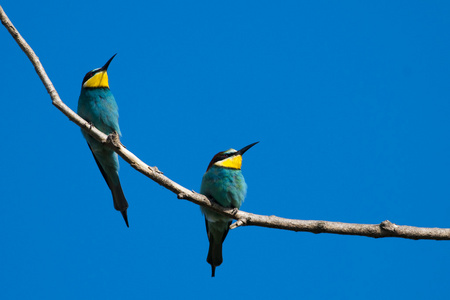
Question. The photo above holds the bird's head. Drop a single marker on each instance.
(231, 159)
(97, 78)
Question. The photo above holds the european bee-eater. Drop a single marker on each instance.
(98, 106)
(224, 183)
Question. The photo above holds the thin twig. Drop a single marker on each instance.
(385, 229)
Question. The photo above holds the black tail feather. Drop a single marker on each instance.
(120, 202)
(214, 257)
(125, 217)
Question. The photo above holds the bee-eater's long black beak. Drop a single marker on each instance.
(243, 150)
(105, 67)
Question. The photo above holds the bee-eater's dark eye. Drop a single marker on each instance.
(88, 75)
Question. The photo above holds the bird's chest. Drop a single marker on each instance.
(226, 186)
(99, 108)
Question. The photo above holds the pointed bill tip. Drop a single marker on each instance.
(125, 217)
(105, 67)
(213, 269)
(243, 150)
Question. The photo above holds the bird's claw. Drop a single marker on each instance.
(114, 139)
(234, 211)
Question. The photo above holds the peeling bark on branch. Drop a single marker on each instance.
(384, 229)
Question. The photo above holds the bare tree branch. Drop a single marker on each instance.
(385, 229)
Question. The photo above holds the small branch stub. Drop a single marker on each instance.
(388, 226)
(238, 223)
(156, 170)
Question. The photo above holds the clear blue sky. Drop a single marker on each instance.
(350, 102)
